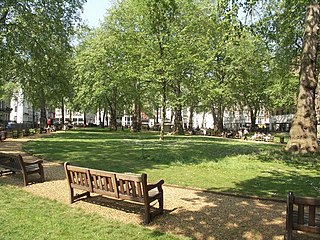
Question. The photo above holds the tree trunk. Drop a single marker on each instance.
(157, 117)
(84, 118)
(139, 116)
(70, 117)
(253, 118)
(105, 118)
(113, 110)
(99, 116)
(164, 106)
(217, 113)
(62, 112)
(303, 133)
(113, 117)
(178, 125)
(203, 118)
(34, 125)
(134, 126)
(43, 112)
(190, 124)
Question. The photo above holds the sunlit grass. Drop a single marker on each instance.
(242, 167)
(24, 216)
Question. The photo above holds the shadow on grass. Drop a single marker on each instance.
(136, 153)
(133, 152)
(276, 185)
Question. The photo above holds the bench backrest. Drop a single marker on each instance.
(11, 161)
(132, 187)
(124, 186)
(306, 218)
(78, 177)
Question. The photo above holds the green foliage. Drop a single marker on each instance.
(35, 44)
(170, 53)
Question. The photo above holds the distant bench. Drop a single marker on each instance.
(302, 215)
(120, 186)
(14, 163)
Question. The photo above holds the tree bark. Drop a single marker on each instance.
(164, 106)
(105, 118)
(253, 118)
(178, 125)
(303, 133)
(190, 124)
(136, 117)
(84, 118)
(113, 110)
(217, 113)
(62, 112)
(43, 112)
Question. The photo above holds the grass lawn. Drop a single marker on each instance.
(241, 167)
(24, 216)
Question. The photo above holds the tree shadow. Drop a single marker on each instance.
(134, 152)
(206, 215)
(276, 185)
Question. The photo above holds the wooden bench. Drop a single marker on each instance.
(120, 186)
(14, 163)
(302, 215)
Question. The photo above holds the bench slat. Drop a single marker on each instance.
(133, 188)
(139, 190)
(127, 187)
(121, 186)
(110, 185)
(99, 182)
(300, 214)
(312, 216)
(306, 228)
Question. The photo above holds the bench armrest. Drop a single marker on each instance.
(32, 163)
(156, 185)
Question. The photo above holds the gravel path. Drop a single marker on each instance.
(192, 213)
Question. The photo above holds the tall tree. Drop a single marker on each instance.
(303, 133)
(35, 38)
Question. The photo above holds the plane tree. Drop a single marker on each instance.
(35, 43)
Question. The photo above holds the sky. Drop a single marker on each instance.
(94, 11)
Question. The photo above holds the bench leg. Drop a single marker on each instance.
(73, 197)
(147, 213)
(161, 205)
(41, 173)
(288, 235)
(25, 178)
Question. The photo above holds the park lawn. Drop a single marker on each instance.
(24, 216)
(223, 165)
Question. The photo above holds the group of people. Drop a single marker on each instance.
(257, 136)
(244, 134)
